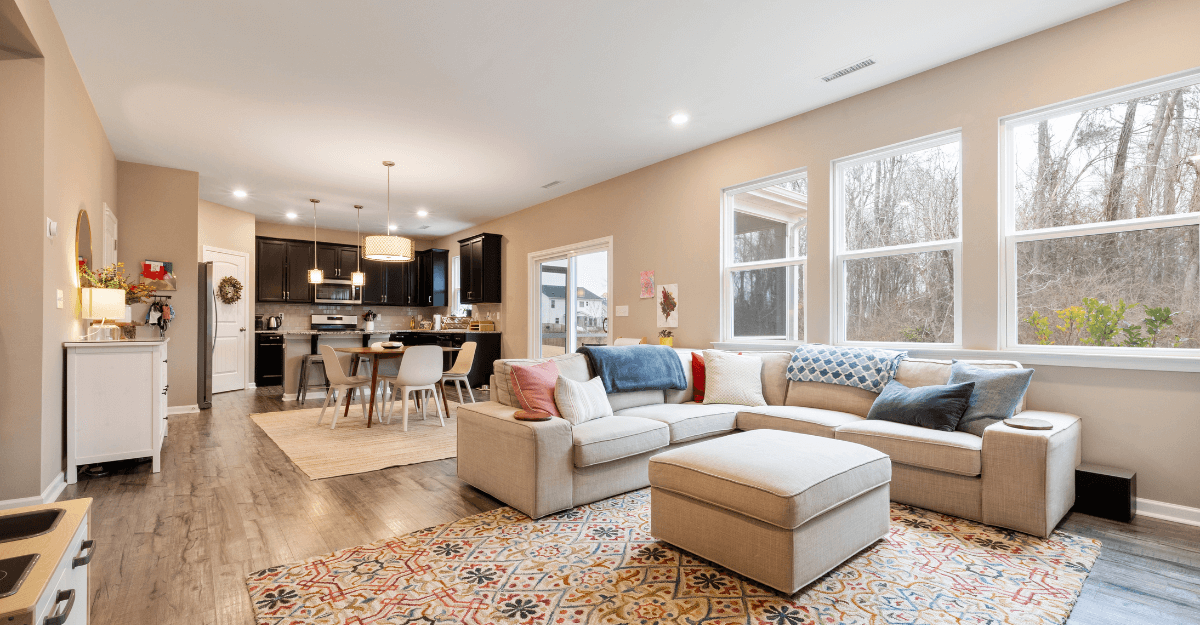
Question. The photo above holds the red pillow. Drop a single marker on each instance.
(533, 386)
(698, 377)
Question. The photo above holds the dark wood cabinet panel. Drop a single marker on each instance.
(374, 289)
(479, 269)
(432, 267)
(270, 271)
(396, 292)
(347, 261)
(327, 260)
(299, 261)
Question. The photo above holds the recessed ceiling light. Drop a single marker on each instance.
(422, 213)
(239, 193)
(391, 226)
(291, 215)
(680, 119)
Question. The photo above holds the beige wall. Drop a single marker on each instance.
(159, 207)
(665, 217)
(65, 165)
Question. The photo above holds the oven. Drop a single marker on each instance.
(337, 292)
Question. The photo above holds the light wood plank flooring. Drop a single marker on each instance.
(174, 547)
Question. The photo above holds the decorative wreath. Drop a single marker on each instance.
(229, 291)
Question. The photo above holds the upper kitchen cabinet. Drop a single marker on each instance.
(281, 269)
(348, 262)
(337, 261)
(375, 288)
(432, 268)
(479, 269)
(400, 289)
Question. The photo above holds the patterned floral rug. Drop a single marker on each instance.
(598, 564)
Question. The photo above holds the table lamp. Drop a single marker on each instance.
(103, 304)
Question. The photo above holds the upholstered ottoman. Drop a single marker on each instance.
(778, 507)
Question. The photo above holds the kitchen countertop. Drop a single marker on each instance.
(50, 546)
(361, 332)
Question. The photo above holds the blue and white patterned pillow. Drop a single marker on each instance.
(860, 367)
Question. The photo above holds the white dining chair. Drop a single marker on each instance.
(341, 384)
(461, 369)
(420, 370)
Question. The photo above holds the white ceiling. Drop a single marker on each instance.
(482, 103)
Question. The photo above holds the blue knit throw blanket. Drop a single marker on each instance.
(636, 367)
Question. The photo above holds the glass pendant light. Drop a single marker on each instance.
(315, 276)
(358, 278)
(387, 247)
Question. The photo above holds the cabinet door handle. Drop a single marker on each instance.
(82, 559)
(61, 617)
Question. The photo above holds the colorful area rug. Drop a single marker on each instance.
(352, 447)
(599, 564)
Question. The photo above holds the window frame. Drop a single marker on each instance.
(569, 252)
(837, 227)
(1011, 237)
(728, 267)
(456, 304)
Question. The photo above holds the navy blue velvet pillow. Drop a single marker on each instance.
(937, 407)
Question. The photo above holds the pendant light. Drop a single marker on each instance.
(358, 278)
(388, 247)
(315, 275)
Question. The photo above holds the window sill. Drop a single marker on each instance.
(1135, 362)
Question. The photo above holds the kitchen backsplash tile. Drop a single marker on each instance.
(299, 316)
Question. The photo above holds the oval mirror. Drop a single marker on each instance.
(83, 241)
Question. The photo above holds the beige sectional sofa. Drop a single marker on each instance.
(1018, 479)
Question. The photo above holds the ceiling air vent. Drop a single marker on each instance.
(848, 69)
(552, 184)
(422, 227)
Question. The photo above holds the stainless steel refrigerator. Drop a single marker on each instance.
(207, 340)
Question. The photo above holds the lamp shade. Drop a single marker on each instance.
(103, 303)
(358, 278)
(316, 276)
(387, 248)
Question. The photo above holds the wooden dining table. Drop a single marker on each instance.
(375, 354)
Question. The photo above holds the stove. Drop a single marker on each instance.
(334, 323)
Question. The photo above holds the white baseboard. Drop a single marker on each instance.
(48, 496)
(251, 385)
(183, 409)
(1168, 511)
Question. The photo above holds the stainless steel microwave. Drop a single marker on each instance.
(337, 292)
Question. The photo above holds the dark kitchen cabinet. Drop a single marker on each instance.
(400, 290)
(348, 262)
(374, 289)
(432, 267)
(281, 270)
(327, 260)
(479, 269)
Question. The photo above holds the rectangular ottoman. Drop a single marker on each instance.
(778, 507)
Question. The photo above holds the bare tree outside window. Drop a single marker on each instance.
(911, 199)
(1106, 207)
(769, 225)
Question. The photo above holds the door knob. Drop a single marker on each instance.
(242, 330)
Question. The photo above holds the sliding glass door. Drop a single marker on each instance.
(570, 298)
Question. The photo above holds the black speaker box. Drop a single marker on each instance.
(1106, 492)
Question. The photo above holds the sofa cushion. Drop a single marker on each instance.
(533, 387)
(612, 438)
(995, 398)
(673, 396)
(836, 397)
(621, 401)
(952, 452)
(581, 401)
(732, 379)
(781, 478)
(812, 421)
(914, 372)
(570, 366)
(937, 406)
(690, 420)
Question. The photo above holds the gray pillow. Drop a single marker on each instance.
(997, 394)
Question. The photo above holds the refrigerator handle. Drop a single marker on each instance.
(212, 303)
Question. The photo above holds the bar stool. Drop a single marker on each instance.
(314, 360)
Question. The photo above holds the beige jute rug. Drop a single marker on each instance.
(352, 448)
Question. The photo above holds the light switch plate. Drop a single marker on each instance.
(51, 230)
(622, 311)
(59, 297)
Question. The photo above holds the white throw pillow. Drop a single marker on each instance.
(732, 379)
(580, 401)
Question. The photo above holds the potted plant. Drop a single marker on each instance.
(113, 277)
(666, 337)
(369, 316)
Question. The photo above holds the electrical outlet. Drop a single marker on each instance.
(622, 311)
(59, 298)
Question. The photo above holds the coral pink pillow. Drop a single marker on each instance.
(533, 385)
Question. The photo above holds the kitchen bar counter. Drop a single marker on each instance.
(373, 332)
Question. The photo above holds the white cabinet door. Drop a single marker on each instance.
(230, 347)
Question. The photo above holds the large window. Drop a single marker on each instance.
(569, 298)
(457, 308)
(1102, 221)
(898, 243)
(765, 239)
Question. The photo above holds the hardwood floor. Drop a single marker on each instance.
(174, 547)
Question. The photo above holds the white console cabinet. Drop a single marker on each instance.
(116, 401)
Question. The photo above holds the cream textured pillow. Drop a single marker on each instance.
(581, 401)
(732, 379)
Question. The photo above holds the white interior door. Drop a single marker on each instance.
(229, 353)
(108, 244)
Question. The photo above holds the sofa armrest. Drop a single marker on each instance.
(525, 464)
(1029, 475)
